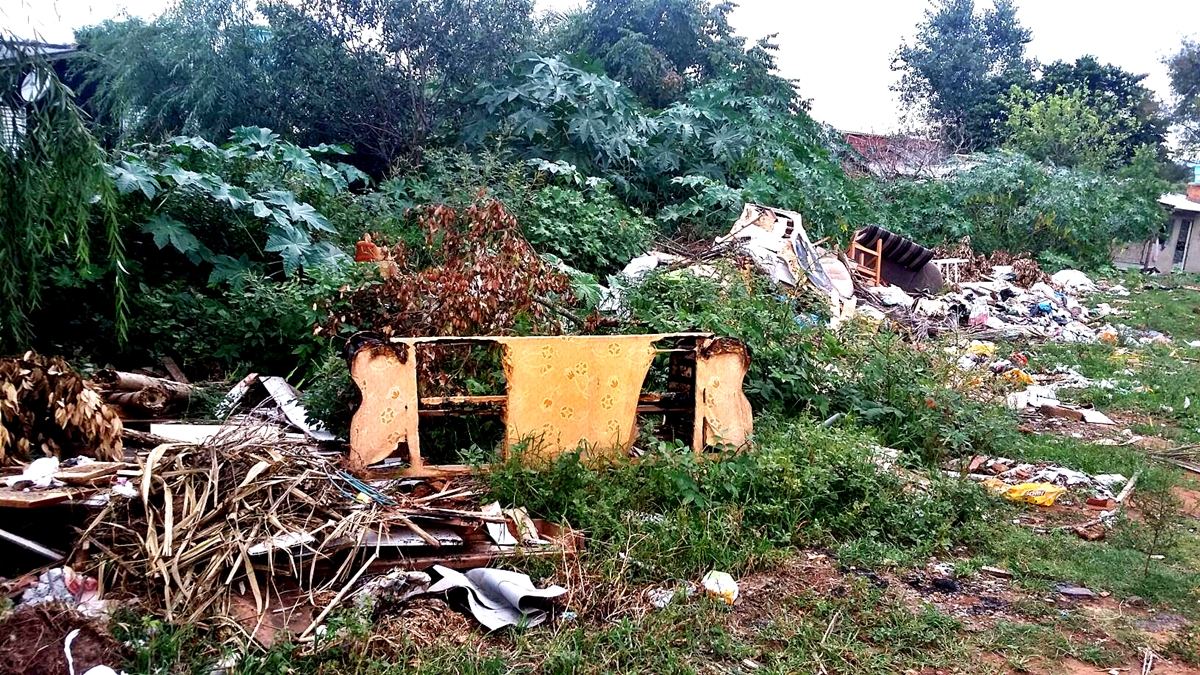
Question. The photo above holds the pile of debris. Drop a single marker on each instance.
(238, 515)
(971, 266)
(1042, 484)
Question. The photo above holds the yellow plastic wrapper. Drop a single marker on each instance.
(1018, 376)
(1040, 494)
(981, 348)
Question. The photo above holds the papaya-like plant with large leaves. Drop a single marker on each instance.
(245, 207)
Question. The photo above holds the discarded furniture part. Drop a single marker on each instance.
(387, 418)
(47, 409)
(496, 598)
(899, 260)
(566, 392)
(777, 242)
(563, 393)
(951, 269)
(723, 414)
(115, 380)
(868, 261)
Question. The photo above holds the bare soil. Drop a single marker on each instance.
(31, 642)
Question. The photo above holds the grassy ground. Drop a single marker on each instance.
(835, 557)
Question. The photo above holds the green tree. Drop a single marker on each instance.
(1131, 107)
(384, 76)
(1067, 127)
(661, 49)
(960, 65)
(57, 206)
(1184, 69)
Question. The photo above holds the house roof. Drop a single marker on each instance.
(1179, 202)
(13, 50)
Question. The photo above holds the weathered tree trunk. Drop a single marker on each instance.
(151, 401)
(115, 380)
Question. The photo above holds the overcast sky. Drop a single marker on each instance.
(840, 52)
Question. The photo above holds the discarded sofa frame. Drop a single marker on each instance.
(563, 393)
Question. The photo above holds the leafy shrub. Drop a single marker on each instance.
(257, 325)
(746, 306)
(671, 516)
(874, 376)
(591, 227)
(229, 207)
(1009, 202)
(739, 136)
(331, 396)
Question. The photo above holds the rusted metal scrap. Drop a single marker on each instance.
(563, 392)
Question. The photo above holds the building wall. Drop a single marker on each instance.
(1167, 254)
(1192, 262)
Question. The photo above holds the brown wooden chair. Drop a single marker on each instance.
(867, 261)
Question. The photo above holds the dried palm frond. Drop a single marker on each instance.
(238, 513)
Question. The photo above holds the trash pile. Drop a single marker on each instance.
(238, 515)
(62, 586)
(1041, 484)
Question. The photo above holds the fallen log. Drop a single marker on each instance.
(141, 439)
(151, 401)
(115, 380)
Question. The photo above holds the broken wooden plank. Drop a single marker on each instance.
(20, 499)
(87, 474)
(174, 370)
(30, 545)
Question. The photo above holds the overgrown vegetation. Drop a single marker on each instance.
(202, 193)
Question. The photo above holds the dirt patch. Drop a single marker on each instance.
(1161, 667)
(761, 596)
(1189, 501)
(31, 642)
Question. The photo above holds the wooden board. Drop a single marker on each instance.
(18, 499)
(88, 474)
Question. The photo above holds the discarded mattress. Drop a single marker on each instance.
(904, 262)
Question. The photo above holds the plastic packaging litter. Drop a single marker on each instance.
(1073, 281)
(981, 348)
(39, 474)
(1039, 494)
(720, 586)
